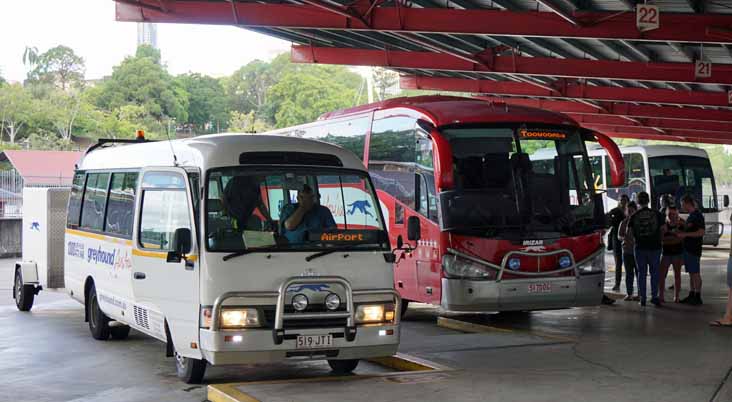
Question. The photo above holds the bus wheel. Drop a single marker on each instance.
(405, 306)
(189, 370)
(98, 321)
(343, 366)
(119, 332)
(24, 294)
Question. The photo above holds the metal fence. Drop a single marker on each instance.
(11, 190)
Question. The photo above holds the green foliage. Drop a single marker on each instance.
(207, 108)
(59, 66)
(246, 123)
(46, 141)
(142, 80)
(384, 80)
(17, 109)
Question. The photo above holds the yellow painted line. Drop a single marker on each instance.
(98, 236)
(405, 365)
(470, 327)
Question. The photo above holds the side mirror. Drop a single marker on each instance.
(181, 245)
(726, 200)
(414, 231)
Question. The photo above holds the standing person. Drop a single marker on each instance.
(647, 226)
(726, 320)
(673, 253)
(692, 235)
(616, 216)
(626, 237)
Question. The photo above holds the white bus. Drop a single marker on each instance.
(662, 170)
(184, 241)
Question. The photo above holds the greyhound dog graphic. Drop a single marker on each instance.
(361, 206)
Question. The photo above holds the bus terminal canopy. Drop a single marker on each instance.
(620, 67)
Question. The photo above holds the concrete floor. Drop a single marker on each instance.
(614, 353)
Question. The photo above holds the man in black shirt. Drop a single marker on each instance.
(616, 216)
(693, 235)
(647, 226)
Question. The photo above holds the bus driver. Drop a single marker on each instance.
(307, 215)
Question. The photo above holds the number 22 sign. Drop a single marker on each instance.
(647, 17)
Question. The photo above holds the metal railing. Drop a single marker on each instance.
(11, 190)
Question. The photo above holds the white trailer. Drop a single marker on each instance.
(44, 223)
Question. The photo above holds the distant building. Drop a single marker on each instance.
(147, 34)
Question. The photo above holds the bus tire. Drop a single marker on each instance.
(190, 371)
(98, 321)
(343, 366)
(120, 332)
(24, 294)
(404, 307)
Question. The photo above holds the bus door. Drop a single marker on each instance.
(428, 265)
(166, 288)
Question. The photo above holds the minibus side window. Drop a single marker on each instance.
(95, 201)
(121, 204)
(164, 209)
(74, 210)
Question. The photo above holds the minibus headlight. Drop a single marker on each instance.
(232, 318)
(374, 313)
(593, 265)
(461, 268)
(239, 318)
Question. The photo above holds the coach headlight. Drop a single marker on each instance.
(593, 264)
(460, 268)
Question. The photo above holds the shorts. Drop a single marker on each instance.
(692, 263)
(729, 272)
(672, 259)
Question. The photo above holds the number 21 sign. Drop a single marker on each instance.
(702, 69)
(647, 17)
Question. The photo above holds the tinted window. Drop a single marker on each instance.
(121, 206)
(392, 158)
(95, 200)
(163, 211)
(349, 134)
(77, 191)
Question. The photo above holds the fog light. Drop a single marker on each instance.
(514, 264)
(332, 302)
(237, 338)
(565, 261)
(300, 302)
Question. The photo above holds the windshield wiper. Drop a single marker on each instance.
(328, 251)
(227, 257)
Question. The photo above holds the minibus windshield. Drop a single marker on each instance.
(290, 208)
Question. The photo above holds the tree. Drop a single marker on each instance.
(59, 66)
(62, 110)
(141, 80)
(17, 108)
(383, 81)
(207, 109)
(245, 123)
(2, 80)
(246, 89)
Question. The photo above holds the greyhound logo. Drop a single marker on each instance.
(35, 226)
(534, 249)
(361, 206)
(319, 287)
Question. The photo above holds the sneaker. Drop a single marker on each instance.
(688, 299)
(629, 298)
(606, 300)
(656, 302)
(696, 301)
(616, 288)
(642, 303)
(636, 298)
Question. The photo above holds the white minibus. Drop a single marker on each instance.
(233, 248)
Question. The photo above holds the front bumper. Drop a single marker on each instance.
(257, 346)
(514, 294)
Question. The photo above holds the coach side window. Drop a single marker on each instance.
(77, 191)
(349, 133)
(164, 209)
(95, 201)
(121, 204)
(392, 158)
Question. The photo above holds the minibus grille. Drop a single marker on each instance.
(269, 317)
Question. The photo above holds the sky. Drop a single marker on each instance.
(89, 28)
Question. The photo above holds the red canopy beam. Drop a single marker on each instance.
(623, 109)
(515, 65)
(663, 124)
(693, 28)
(661, 137)
(671, 135)
(569, 91)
